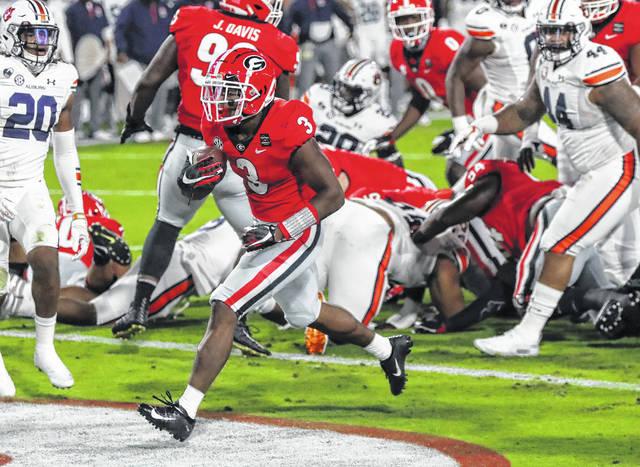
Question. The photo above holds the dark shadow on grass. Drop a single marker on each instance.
(614, 345)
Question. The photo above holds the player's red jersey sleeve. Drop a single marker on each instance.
(395, 54)
(297, 128)
(413, 196)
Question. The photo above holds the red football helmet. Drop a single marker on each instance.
(598, 10)
(411, 21)
(93, 206)
(238, 85)
(269, 11)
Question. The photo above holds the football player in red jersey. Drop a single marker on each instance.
(269, 143)
(616, 23)
(518, 209)
(198, 36)
(356, 171)
(423, 54)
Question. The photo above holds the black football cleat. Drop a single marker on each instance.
(108, 243)
(430, 325)
(171, 417)
(133, 322)
(394, 365)
(243, 340)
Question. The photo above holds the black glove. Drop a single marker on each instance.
(132, 126)
(259, 236)
(527, 155)
(387, 150)
(196, 181)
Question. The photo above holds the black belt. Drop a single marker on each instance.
(187, 130)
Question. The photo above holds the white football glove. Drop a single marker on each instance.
(7, 209)
(79, 236)
(469, 139)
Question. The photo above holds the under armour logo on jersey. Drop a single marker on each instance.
(51, 81)
(254, 63)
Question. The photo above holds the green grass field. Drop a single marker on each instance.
(532, 423)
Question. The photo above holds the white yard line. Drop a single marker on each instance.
(113, 192)
(446, 370)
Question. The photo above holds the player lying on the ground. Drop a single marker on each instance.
(356, 171)
(477, 257)
(585, 88)
(200, 261)
(37, 101)
(371, 240)
(519, 210)
(291, 188)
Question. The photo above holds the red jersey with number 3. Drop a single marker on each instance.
(507, 216)
(432, 64)
(202, 35)
(621, 31)
(64, 234)
(263, 163)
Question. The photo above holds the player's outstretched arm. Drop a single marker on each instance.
(473, 202)
(620, 100)
(634, 63)
(417, 107)
(465, 69)
(67, 165)
(163, 64)
(311, 166)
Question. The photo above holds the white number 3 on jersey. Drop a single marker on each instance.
(306, 123)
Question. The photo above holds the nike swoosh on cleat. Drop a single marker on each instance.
(156, 416)
(397, 372)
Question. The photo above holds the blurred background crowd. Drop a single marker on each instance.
(111, 42)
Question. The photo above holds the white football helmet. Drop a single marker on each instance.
(510, 6)
(598, 10)
(29, 32)
(411, 21)
(563, 31)
(356, 85)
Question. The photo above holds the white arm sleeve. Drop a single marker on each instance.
(67, 164)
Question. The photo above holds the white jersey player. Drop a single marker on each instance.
(348, 112)
(585, 87)
(36, 97)
(370, 30)
(502, 40)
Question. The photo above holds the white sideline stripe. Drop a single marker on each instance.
(446, 370)
(114, 192)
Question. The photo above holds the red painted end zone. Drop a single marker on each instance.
(466, 454)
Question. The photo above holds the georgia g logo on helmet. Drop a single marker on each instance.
(254, 63)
